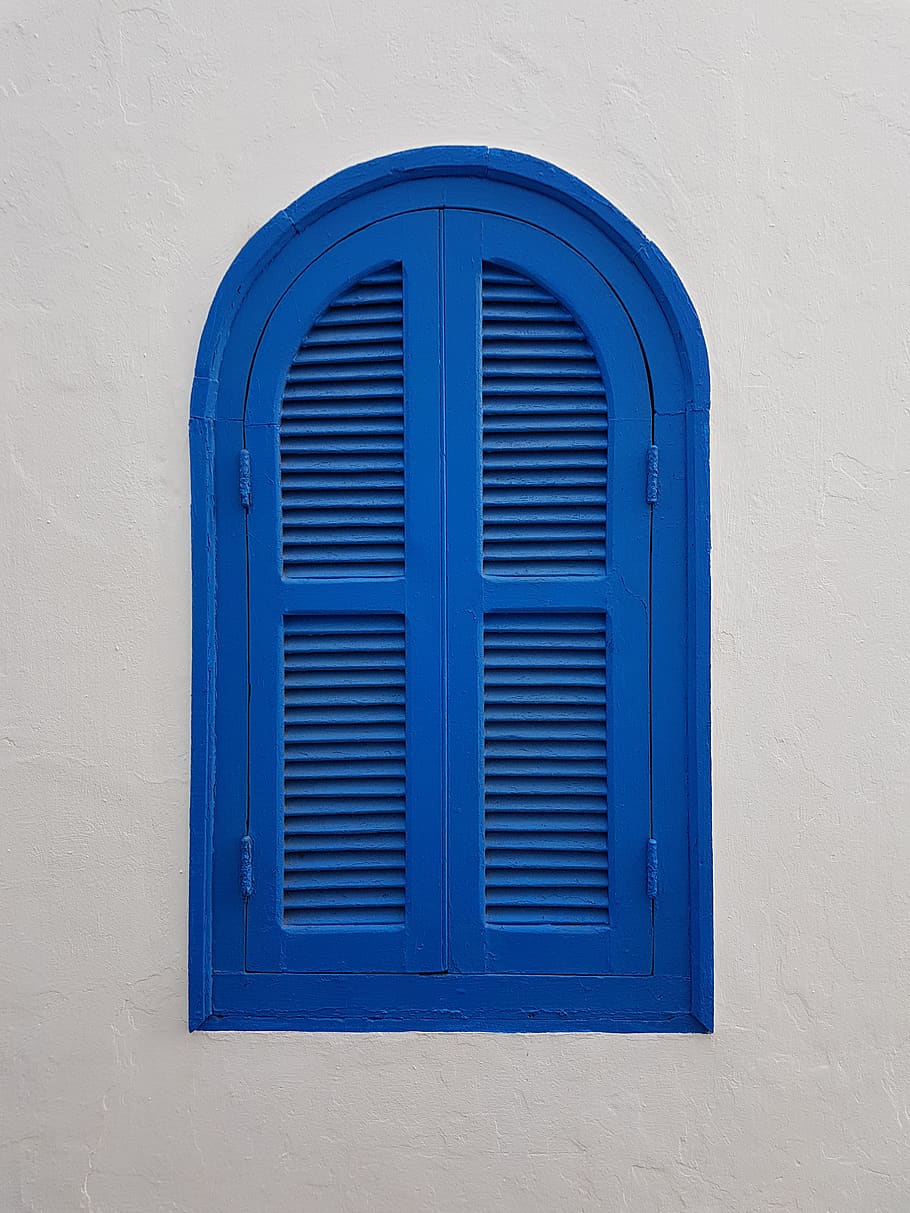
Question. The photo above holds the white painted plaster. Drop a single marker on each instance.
(766, 148)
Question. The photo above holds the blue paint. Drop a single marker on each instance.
(338, 464)
(202, 776)
(651, 488)
(699, 706)
(651, 869)
(524, 533)
(486, 1002)
(246, 866)
(358, 339)
(456, 961)
(484, 610)
(246, 490)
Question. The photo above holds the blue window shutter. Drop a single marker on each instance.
(346, 605)
(548, 583)
(451, 595)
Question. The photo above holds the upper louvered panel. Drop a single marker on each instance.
(342, 438)
(544, 435)
(344, 770)
(545, 768)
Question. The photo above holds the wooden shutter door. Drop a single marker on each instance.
(547, 431)
(346, 808)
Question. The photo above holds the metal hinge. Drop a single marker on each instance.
(246, 865)
(246, 488)
(652, 476)
(651, 868)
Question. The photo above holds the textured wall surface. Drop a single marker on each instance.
(765, 149)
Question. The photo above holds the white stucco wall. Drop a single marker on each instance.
(764, 147)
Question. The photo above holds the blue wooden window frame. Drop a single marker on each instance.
(673, 990)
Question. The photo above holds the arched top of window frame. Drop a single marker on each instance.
(524, 187)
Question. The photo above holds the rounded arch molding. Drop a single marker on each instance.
(644, 280)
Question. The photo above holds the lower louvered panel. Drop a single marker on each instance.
(545, 769)
(344, 770)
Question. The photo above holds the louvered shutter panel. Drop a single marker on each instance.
(544, 434)
(342, 437)
(546, 845)
(344, 770)
(346, 608)
(548, 608)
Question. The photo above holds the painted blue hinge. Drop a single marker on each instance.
(651, 868)
(651, 484)
(246, 865)
(246, 487)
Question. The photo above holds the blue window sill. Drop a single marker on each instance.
(451, 1003)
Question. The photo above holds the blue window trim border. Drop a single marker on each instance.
(672, 330)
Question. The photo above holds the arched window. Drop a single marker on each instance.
(450, 525)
